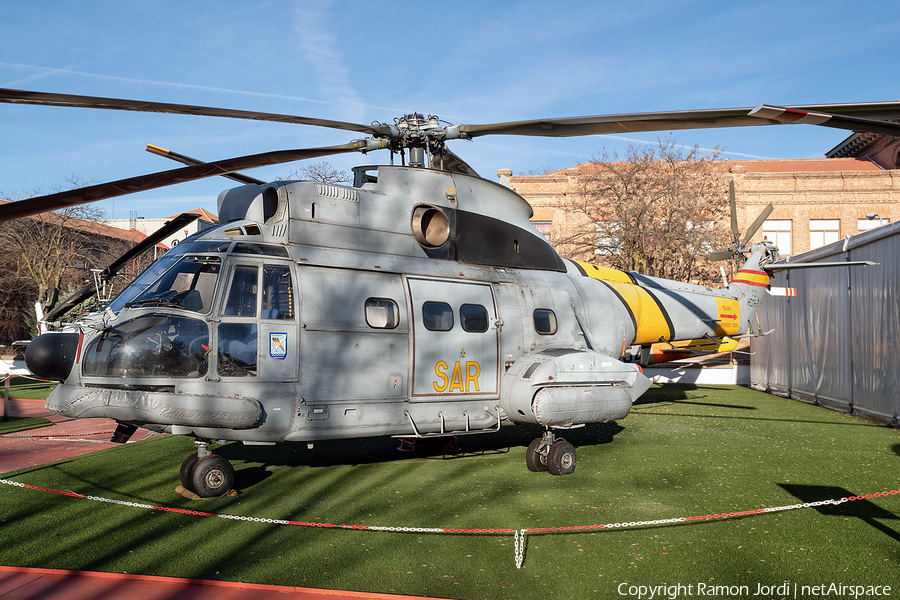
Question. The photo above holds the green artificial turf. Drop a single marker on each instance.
(22, 423)
(682, 452)
(24, 388)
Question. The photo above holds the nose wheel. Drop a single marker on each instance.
(206, 475)
(549, 453)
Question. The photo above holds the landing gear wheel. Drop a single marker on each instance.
(212, 476)
(561, 458)
(187, 467)
(533, 459)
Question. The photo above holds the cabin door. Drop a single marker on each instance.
(455, 340)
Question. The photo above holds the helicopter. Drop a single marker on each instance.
(417, 302)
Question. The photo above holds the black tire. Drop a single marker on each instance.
(561, 459)
(187, 468)
(212, 476)
(533, 460)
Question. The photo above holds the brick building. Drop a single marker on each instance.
(817, 201)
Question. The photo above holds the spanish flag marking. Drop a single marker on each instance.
(754, 278)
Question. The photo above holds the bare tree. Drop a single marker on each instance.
(323, 172)
(49, 244)
(657, 211)
(47, 256)
(543, 170)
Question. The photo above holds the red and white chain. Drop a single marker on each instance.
(519, 534)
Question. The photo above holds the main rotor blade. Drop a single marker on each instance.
(170, 227)
(93, 193)
(758, 223)
(858, 124)
(48, 99)
(187, 160)
(453, 163)
(735, 232)
(673, 120)
(109, 272)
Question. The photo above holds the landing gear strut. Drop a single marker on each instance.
(205, 474)
(549, 453)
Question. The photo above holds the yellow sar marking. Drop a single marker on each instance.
(461, 380)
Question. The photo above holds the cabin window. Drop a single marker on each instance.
(473, 318)
(237, 350)
(382, 313)
(437, 316)
(242, 295)
(545, 321)
(278, 293)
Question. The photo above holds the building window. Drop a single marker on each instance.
(867, 224)
(778, 231)
(823, 232)
(544, 227)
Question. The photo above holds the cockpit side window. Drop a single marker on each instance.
(278, 293)
(242, 294)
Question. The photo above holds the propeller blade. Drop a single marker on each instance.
(735, 233)
(671, 120)
(93, 193)
(109, 272)
(851, 123)
(187, 160)
(47, 99)
(758, 223)
(720, 255)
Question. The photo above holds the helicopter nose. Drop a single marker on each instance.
(51, 355)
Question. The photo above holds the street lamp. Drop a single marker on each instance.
(873, 216)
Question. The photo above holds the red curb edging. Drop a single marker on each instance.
(258, 587)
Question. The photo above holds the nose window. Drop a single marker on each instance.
(150, 346)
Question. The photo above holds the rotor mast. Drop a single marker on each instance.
(422, 136)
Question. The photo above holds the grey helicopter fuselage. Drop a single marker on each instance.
(415, 303)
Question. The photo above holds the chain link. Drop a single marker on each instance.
(520, 547)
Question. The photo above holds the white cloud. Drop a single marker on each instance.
(321, 51)
(41, 72)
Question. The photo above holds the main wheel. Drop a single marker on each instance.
(187, 467)
(533, 459)
(561, 458)
(212, 476)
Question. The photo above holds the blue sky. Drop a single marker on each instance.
(364, 61)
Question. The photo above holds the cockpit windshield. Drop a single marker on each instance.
(157, 277)
(189, 284)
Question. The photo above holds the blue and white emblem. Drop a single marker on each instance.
(278, 345)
